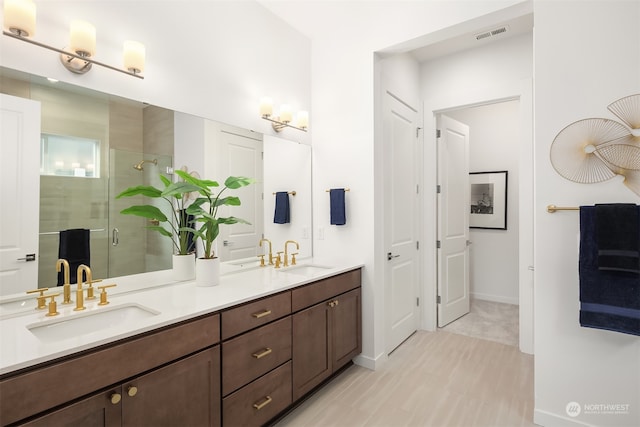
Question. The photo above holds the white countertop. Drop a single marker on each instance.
(170, 303)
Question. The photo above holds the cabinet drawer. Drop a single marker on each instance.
(255, 353)
(254, 314)
(311, 294)
(74, 377)
(260, 401)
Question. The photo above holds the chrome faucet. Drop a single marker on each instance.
(270, 253)
(80, 292)
(66, 288)
(286, 253)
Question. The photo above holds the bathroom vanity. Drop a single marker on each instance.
(241, 353)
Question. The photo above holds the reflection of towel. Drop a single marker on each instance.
(281, 215)
(74, 247)
(617, 234)
(336, 199)
(608, 299)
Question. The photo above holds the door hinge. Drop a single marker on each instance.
(438, 189)
(438, 244)
(438, 299)
(418, 301)
(417, 188)
(418, 132)
(418, 245)
(437, 133)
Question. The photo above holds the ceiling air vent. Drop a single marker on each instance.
(492, 33)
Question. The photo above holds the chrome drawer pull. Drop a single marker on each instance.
(262, 353)
(265, 402)
(261, 314)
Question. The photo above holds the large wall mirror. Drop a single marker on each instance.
(94, 145)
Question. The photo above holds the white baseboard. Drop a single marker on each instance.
(543, 418)
(370, 363)
(494, 298)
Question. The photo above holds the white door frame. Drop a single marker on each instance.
(522, 90)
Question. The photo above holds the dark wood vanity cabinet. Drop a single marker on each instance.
(242, 366)
(160, 378)
(185, 392)
(326, 336)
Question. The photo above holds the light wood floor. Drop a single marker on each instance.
(437, 379)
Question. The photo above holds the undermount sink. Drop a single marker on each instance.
(84, 323)
(306, 269)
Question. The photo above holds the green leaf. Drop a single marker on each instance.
(160, 230)
(232, 220)
(228, 201)
(179, 189)
(138, 190)
(235, 182)
(166, 181)
(145, 211)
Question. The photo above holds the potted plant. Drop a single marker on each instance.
(205, 209)
(180, 224)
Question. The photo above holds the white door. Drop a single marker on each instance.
(453, 220)
(238, 152)
(401, 156)
(20, 194)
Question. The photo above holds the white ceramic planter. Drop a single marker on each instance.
(207, 272)
(184, 267)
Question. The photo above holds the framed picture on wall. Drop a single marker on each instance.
(488, 200)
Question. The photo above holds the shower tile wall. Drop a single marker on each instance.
(69, 202)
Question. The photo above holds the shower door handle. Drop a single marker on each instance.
(115, 237)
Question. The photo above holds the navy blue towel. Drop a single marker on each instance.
(617, 232)
(74, 247)
(282, 215)
(609, 299)
(337, 206)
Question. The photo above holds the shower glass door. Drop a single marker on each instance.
(133, 248)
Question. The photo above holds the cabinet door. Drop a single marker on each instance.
(346, 328)
(311, 348)
(183, 393)
(100, 410)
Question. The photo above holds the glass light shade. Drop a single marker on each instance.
(20, 17)
(266, 106)
(285, 113)
(303, 119)
(82, 38)
(134, 56)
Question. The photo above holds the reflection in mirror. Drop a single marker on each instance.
(128, 132)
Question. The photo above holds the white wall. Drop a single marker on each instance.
(587, 55)
(344, 36)
(494, 146)
(213, 59)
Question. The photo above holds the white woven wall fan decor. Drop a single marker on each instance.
(594, 150)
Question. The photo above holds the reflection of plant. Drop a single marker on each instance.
(180, 227)
(207, 215)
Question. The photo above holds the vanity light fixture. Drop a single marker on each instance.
(285, 118)
(20, 23)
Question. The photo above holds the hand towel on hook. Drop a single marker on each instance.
(337, 206)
